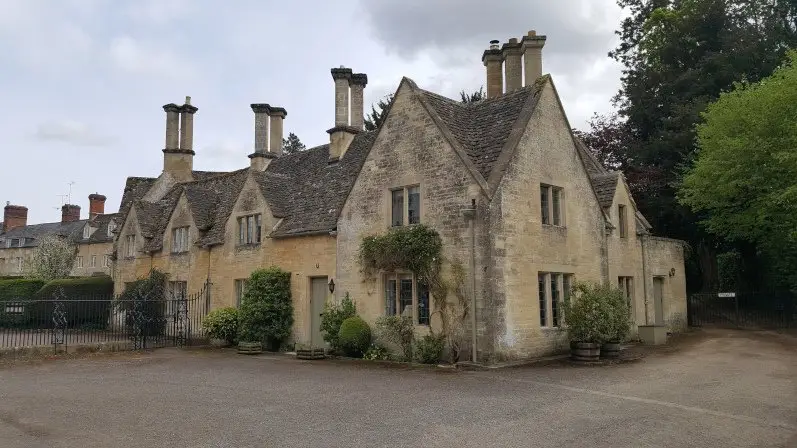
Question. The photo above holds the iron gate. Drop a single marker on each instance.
(754, 310)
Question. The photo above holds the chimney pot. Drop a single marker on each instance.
(532, 56)
(357, 84)
(276, 117)
(341, 76)
(512, 53)
(178, 156)
(96, 205)
(493, 60)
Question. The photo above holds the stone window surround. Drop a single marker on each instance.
(403, 184)
(93, 261)
(79, 261)
(553, 192)
(243, 238)
(564, 281)
(397, 276)
(239, 286)
(130, 246)
(626, 284)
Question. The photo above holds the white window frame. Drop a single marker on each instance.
(180, 239)
(550, 313)
(393, 308)
(106, 261)
(86, 232)
(79, 261)
(93, 262)
(405, 205)
(20, 264)
(239, 288)
(250, 229)
(111, 227)
(555, 218)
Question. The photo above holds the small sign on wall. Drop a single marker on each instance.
(726, 294)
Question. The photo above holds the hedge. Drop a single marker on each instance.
(81, 288)
(16, 291)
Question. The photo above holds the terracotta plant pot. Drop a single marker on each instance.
(250, 348)
(610, 350)
(585, 351)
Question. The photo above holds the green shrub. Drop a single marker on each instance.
(333, 316)
(354, 336)
(266, 310)
(16, 308)
(377, 352)
(222, 324)
(83, 288)
(146, 295)
(398, 330)
(596, 313)
(429, 349)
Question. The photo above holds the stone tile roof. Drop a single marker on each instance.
(100, 225)
(71, 230)
(308, 192)
(135, 189)
(605, 185)
(483, 127)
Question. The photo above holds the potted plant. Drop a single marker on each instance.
(266, 314)
(618, 323)
(587, 316)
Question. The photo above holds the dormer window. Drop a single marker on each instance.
(130, 246)
(111, 228)
(249, 230)
(180, 240)
(86, 232)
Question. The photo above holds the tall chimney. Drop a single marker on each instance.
(276, 117)
(357, 83)
(492, 59)
(341, 76)
(178, 156)
(512, 53)
(260, 159)
(96, 205)
(532, 56)
(14, 216)
(70, 213)
(341, 136)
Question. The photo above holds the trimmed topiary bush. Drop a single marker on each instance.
(333, 316)
(354, 336)
(429, 349)
(266, 313)
(222, 324)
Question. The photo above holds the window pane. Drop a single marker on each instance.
(543, 302)
(390, 297)
(241, 230)
(405, 296)
(397, 216)
(250, 230)
(557, 214)
(414, 205)
(544, 205)
(555, 299)
(423, 304)
(257, 228)
(622, 221)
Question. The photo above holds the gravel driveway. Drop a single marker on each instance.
(713, 389)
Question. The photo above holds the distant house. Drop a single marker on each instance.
(504, 181)
(92, 236)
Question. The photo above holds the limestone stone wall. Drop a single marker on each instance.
(98, 250)
(409, 150)
(10, 265)
(522, 246)
(665, 259)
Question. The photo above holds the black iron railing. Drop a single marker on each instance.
(139, 322)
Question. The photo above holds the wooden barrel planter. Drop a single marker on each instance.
(250, 348)
(585, 351)
(610, 350)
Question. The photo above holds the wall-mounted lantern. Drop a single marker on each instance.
(331, 286)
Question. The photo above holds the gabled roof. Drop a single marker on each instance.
(100, 234)
(483, 128)
(605, 185)
(72, 230)
(307, 191)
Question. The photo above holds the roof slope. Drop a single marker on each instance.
(71, 230)
(307, 191)
(483, 127)
(605, 185)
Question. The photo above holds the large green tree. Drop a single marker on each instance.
(745, 174)
(678, 56)
(292, 144)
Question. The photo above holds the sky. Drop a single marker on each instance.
(83, 82)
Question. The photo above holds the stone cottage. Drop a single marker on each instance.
(93, 238)
(518, 201)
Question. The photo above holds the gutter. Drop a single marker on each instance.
(644, 277)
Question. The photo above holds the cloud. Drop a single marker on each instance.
(71, 132)
(159, 12)
(409, 27)
(146, 58)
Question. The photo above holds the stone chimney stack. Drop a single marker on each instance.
(341, 136)
(96, 205)
(512, 53)
(357, 83)
(178, 156)
(276, 117)
(492, 59)
(532, 56)
(70, 213)
(14, 216)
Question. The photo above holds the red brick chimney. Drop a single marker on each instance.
(70, 213)
(96, 205)
(14, 216)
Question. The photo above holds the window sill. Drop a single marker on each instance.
(553, 329)
(179, 254)
(248, 246)
(554, 226)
